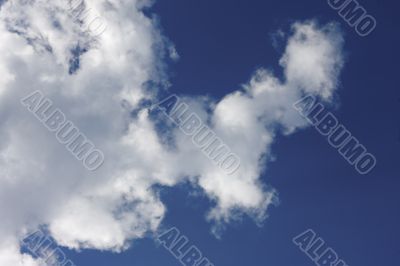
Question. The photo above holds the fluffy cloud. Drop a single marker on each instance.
(97, 80)
(249, 119)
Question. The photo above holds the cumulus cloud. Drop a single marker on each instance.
(249, 119)
(97, 88)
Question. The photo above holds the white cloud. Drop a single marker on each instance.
(249, 119)
(313, 59)
(41, 183)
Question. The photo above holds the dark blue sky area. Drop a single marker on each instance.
(221, 43)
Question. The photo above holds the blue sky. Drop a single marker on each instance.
(221, 44)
